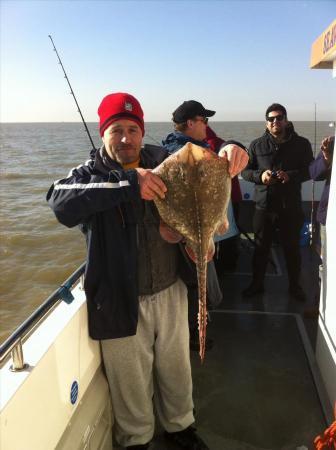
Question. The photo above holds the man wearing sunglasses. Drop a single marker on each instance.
(278, 164)
(190, 122)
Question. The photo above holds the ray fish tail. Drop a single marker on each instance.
(201, 268)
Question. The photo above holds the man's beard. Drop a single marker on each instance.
(126, 153)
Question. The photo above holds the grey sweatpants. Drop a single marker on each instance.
(153, 363)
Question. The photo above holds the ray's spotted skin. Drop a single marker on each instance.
(195, 206)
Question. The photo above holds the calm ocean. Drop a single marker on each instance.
(37, 253)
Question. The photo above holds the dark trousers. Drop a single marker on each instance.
(227, 254)
(193, 311)
(265, 224)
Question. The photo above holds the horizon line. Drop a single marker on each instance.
(159, 121)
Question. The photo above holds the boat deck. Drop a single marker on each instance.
(258, 387)
(261, 394)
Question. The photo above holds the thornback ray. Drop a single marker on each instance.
(195, 205)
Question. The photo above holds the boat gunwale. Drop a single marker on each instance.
(22, 332)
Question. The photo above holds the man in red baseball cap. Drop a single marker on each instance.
(137, 304)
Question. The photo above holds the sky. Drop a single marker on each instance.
(235, 57)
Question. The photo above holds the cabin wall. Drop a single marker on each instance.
(326, 336)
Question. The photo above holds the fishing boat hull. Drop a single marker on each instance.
(62, 399)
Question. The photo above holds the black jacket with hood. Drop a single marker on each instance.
(293, 156)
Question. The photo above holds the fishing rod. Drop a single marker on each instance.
(78, 108)
(73, 94)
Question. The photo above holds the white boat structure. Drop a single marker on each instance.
(54, 394)
(53, 391)
(323, 56)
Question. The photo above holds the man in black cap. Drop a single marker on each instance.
(190, 120)
(190, 123)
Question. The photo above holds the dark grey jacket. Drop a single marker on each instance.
(292, 156)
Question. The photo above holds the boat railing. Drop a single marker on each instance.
(13, 344)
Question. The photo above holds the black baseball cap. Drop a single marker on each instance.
(190, 109)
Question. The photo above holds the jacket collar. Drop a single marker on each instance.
(288, 136)
(174, 141)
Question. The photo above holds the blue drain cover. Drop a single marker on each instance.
(74, 392)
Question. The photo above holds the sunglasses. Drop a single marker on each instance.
(204, 120)
(279, 118)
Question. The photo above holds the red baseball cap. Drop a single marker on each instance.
(120, 106)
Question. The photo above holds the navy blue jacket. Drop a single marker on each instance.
(106, 204)
(319, 171)
(175, 141)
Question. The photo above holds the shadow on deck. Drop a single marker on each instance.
(258, 388)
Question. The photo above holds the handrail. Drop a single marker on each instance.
(62, 293)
